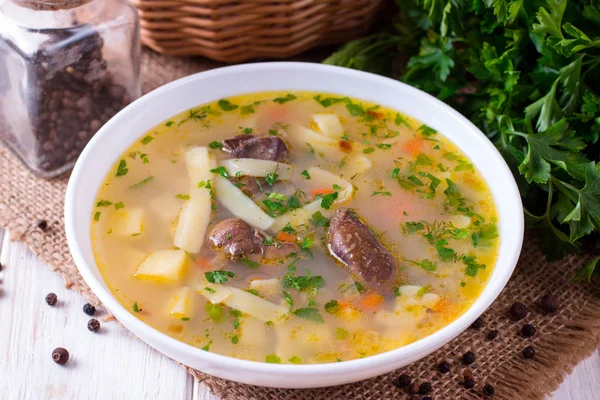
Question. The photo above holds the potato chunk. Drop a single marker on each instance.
(163, 266)
(329, 125)
(128, 221)
(181, 304)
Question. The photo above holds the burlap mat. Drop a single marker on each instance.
(561, 341)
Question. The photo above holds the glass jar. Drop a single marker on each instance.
(66, 67)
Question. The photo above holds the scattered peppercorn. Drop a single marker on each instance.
(93, 325)
(51, 299)
(469, 382)
(478, 323)
(527, 330)
(488, 390)
(518, 311)
(528, 352)
(42, 224)
(89, 309)
(549, 303)
(403, 381)
(468, 358)
(413, 388)
(60, 355)
(493, 334)
(444, 367)
(425, 388)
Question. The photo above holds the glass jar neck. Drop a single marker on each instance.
(40, 14)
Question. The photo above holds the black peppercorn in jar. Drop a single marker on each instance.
(66, 67)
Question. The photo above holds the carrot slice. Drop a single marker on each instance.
(371, 302)
(321, 191)
(413, 146)
(203, 262)
(285, 237)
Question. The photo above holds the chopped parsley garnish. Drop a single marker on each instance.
(270, 241)
(397, 291)
(272, 359)
(218, 276)
(309, 313)
(295, 360)
(341, 334)
(215, 145)
(247, 131)
(209, 290)
(142, 182)
(169, 123)
(294, 202)
(276, 196)
(119, 205)
(272, 177)
(427, 265)
(318, 220)
(136, 308)
(103, 203)
(288, 229)
(147, 139)
(381, 193)
(307, 243)
(445, 253)
(332, 306)
(356, 110)
(215, 312)
(288, 299)
(384, 146)
(249, 263)
(303, 283)
(235, 339)
(305, 174)
(281, 100)
(122, 168)
(97, 216)
(185, 318)
(221, 171)
(426, 130)
(485, 235)
(400, 120)
(252, 291)
(182, 196)
(245, 110)
(473, 267)
(327, 200)
(359, 287)
(369, 150)
(226, 105)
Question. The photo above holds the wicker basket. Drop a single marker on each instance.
(238, 30)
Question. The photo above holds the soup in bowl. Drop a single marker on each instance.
(294, 226)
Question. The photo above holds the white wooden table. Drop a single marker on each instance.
(111, 364)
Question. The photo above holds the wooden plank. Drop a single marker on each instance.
(110, 364)
(583, 383)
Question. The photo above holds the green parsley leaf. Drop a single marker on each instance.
(218, 276)
(288, 299)
(182, 196)
(215, 145)
(309, 313)
(136, 308)
(249, 263)
(272, 359)
(271, 178)
(215, 312)
(122, 168)
(147, 139)
(327, 200)
(119, 205)
(295, 360)
(226, 105)
(97, 216)
(221, 171)
(318, 220)
(288, 229)
(281, 100)
(142, 182)
(445, 253)
(341, 333)
(103, 203)
(332, 306)
(305, 174)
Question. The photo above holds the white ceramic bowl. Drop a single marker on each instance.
(131, 123)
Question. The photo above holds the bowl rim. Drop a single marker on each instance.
(425, 345)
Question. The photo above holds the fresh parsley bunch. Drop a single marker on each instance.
(527, 72)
